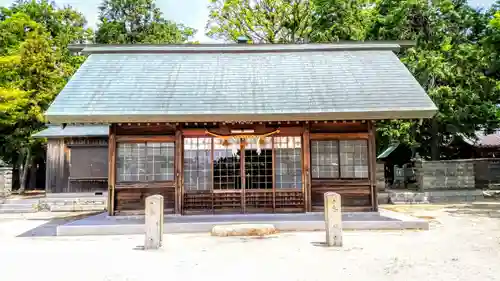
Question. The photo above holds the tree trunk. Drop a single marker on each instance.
(23, 173)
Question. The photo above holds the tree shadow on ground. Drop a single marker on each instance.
(50, 228)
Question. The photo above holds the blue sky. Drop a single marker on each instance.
(193, 13)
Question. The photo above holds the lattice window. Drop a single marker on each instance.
(339, 159)
(197, 164)
(226, 167)
(145, 162)
(325, 159)
(353, 158)
(259, 166)
(288, 165)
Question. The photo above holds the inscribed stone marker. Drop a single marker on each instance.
(333, 219)
(153, 222)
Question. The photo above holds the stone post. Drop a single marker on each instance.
(333, 219)
(153, 222)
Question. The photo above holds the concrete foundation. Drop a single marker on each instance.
(103, 224)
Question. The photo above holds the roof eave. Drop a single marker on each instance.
(423, 113)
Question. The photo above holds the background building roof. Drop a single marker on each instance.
(54, 131)
(483, 139)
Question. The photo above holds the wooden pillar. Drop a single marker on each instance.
(179, 171)
(372, 158)
(273, 151)
(243, 178)
(111, 169)
(306, 168)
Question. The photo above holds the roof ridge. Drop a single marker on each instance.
(242, 48)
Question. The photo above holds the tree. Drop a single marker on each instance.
(336, 20)
(34, 66)
(137, 21)
(448, 62)
(29, 80)
(64, 25)
(455, 59)
(262, 21)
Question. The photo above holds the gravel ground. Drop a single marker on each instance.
(463, 244)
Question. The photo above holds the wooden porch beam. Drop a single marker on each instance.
(339, 136)
(155, 138)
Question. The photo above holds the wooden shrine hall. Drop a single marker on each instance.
(240, 128)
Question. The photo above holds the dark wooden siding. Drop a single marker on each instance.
(57, 167)
(89, 162)
(132, 196)
(76, 165)
(355, 195)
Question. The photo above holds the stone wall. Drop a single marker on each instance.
(380, 177)
(459, 174)
(5, 181)
(72, 204)
(487, 173)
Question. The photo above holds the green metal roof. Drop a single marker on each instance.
(388, 151)
(240, 83)
(73, 131)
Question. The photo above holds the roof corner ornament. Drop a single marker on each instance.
(242, 39)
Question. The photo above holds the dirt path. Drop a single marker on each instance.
(463, 244)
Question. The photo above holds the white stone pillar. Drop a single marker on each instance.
(333, 219)
(153, 222)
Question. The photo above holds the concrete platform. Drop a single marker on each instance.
(102, 224)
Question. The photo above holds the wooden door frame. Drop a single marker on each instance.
(243, 182)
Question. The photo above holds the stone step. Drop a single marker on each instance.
(16, 206)
(19, 201)
(69, 200)
(77, 208)
(16, 211)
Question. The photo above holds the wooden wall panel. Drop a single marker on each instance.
(354, 194)
(88, 162)
(87, 186)
(131, 197)
(338, 127)
(145, 129)
(59, 155)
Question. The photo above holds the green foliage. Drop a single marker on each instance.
(34, 66)
(342, 19)
(262, 21)
(448, 62)
(35, 62)
(137, 21)
(456, 58)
